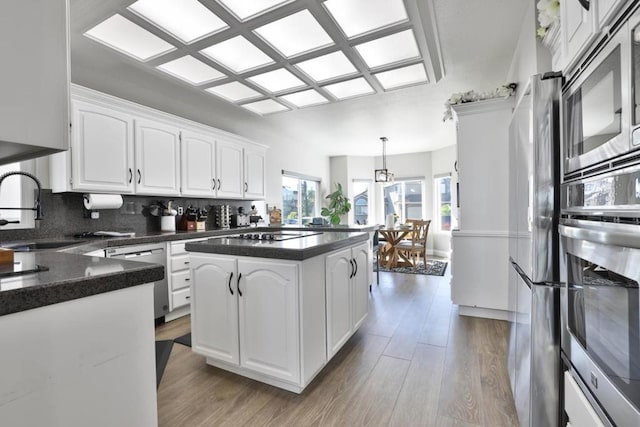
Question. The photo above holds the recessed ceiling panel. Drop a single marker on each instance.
(350, 88)
(402, 76)
(390, 49)
(357, 17)
(277, 80)
(305, 98)
(245, 9)
(234, 91)
(295, 34)
(192, 70)
(125, 36)
(328, 66)
(187, 20)
(265, 107)
(237, 54)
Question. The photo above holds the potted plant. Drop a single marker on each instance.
(339, 205)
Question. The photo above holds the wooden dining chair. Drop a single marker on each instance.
(416, 247)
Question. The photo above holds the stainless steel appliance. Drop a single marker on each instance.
(276, 236)
(600, 229)
(534, 347)
(601, 104)
(153, 253)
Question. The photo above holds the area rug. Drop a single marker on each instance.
(433, 268)
(184, 340)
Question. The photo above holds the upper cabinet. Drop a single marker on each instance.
(102, 157)
(126, 149)
(157, 158)
(254, 173)
(578, 27)
(34, 79)
(198, 165)
(229, 164)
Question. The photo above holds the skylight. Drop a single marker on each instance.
(305, 98)
(245, 9)
(357, 17)
(350, 88)
(327, 67)
(125, 36)
(237, 54)
(265, 107)
(277, 80)
(273, 55)
(402, 76)
(295, 34)
(191, 69)
(390, 49)
(187, 20)
(234, 91)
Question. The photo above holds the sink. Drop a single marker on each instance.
(35, 246)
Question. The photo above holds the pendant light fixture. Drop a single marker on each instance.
(383, 175)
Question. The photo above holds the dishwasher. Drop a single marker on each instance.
(152, 253)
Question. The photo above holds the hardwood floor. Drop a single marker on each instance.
(415, 362)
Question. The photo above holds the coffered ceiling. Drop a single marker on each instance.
(366, 67)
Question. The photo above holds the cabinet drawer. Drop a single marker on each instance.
(178, 248)
(576, 405)
(180, 262)
(180, 279)
(181, 297)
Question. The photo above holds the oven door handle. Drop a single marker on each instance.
(605, 237)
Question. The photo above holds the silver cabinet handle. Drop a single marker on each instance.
(606, 237)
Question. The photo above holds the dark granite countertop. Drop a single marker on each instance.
(292, 249)
(69, 277)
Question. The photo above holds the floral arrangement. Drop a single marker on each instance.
(502, 91)
(548, 13)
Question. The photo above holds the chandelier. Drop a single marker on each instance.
(383, 175)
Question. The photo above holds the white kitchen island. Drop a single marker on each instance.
(277, 311)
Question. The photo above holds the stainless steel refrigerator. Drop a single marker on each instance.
(534, 344)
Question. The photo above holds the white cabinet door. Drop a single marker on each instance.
(269, 320)
(102, 149)
(605, 9)
(229, 158)
(157, 158)
(214, 311)
(198, 165)
(254, 173)
(577, 27)
(361, 281)
(339, 270)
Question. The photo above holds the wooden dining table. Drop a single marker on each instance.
(390, 256)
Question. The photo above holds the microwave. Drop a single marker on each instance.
(601, 105)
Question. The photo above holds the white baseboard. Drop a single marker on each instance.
(177, 313)
(441, 254)
(487, 313)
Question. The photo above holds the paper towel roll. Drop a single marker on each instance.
(102, 201)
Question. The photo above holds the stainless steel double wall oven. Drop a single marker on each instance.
(600, 226)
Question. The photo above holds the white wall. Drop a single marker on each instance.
(530, 56)
(442, 162)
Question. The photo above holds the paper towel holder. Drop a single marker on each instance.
(86, 213)
(91, 206)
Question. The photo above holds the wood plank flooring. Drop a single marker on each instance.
(415, 362)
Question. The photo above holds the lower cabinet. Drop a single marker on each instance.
(277, 321)
(179, 279)
(347, 281)
(248, 314)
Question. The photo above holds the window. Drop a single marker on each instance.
(443, 203)
(404, 199)
(299, 198)
(16, 191)
(361, 201)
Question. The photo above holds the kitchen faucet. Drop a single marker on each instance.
(37, 206)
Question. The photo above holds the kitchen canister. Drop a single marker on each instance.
(168, 223)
